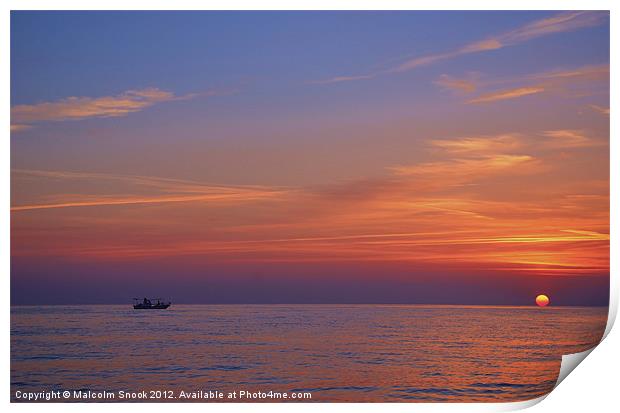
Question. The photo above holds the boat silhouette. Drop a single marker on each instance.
(147, 304)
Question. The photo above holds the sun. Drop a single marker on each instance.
(542, 300)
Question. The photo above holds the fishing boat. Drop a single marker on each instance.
(147, 304)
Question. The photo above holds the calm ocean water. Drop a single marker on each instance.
(353, 353)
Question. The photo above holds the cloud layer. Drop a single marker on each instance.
(484, 201)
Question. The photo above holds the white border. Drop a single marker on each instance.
(309, 5)
(600, 376)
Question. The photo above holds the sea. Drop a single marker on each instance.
(294, 353)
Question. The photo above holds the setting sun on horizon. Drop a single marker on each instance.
(542, 300)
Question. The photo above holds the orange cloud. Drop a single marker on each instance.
(19, 127)
(589, 72)
(77, 108)
(423, 61)
(467, 169)
(480, 145)
(581, 81)
(73, 108)
(451, 83)
(481, 46)
(600, 109)
(508, 144)
(569, 139)
(507, 94)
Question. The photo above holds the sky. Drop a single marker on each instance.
(310, 157)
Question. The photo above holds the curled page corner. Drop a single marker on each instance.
(570, 362)
(526, 404)
(613, 311)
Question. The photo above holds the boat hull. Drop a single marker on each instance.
(150, 307)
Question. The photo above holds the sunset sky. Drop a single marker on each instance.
(323, 157)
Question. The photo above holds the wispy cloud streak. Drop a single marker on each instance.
(467, 168)
(480, 145)
(559, 23)
(136, 201)
(162, 190)
(568, 138)
(338, 79)
(507, 94)
(563, 22)
(451, 83)
(78, 108)
(580, 81)
(600, 109)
